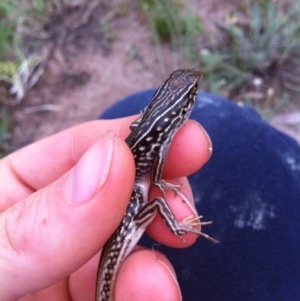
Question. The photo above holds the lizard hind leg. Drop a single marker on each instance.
(187, 226)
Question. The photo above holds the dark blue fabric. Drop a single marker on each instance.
(250, 188)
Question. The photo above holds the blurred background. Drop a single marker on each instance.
(63, 62)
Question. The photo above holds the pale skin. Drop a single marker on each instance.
(62, 197)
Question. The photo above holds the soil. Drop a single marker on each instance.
(88, 69)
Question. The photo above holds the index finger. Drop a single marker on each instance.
(43, 162)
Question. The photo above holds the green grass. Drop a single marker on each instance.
(20, 64)
(252, 58)
(267, 47)
(7, 27)
(168, 21)
(172, 22)
(16, 19)
(256, 61)
(4, 145)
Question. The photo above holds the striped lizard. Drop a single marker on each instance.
(149, 140)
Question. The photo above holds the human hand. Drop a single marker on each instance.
(61, 199)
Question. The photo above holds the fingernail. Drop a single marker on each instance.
(210, 147)
(91, 171)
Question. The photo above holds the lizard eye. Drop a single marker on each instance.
(190, 78)
(183, 111)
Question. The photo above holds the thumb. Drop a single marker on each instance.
(52, 233)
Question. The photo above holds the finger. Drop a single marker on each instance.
(132, 282)
(191, 148)
(59, 291)
(43, 162)
(136, 280)
(82, 283)
(39, 164)
(57, 229)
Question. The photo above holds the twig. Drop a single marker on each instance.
(86, 14)
(41, 108)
